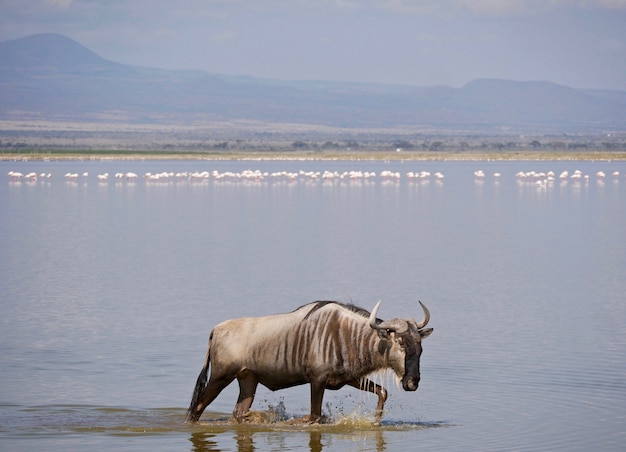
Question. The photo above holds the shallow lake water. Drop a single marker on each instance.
(109, 289)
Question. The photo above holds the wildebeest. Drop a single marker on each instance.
(325, 343)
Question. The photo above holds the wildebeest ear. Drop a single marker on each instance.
(425, 333)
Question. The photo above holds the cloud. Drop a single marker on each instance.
(499, 7)
(409, 7)
(144, 11)
(223, 36)
(612, 4)
(63, 4)
(492, 7)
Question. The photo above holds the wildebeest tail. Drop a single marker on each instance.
(200, 385)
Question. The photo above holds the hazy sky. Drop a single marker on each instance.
(579, 43)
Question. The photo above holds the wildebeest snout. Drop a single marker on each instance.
(410, 383)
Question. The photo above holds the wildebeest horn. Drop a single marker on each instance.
(424, 322)
(397, 325)
(373, 315)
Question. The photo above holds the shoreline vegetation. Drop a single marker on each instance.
(37, 139)
(374, 155)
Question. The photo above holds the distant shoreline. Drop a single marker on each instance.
(291, 155)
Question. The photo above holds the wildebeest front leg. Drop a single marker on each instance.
(317, 395)
(370, 386)
(212, 390)
(247, 388)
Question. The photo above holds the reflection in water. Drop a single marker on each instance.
(244, 441)
(205, 441)
(319, 439)
(315, 442)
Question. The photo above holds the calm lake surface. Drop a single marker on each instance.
(108, 292)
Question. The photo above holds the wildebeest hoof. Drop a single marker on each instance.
(314, 420)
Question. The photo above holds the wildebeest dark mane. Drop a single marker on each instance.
(349, 306)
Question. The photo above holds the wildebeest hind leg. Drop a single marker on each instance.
(247, 388)
(370, 386)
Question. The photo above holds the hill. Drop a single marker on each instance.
(53, 77)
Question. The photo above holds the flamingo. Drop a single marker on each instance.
(390, 175)
(577, 175)
(15, 175)
(328, 175)
(199, 176)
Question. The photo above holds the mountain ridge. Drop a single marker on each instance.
(52, 76)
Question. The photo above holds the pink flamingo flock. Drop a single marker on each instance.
(538, 178)
(542, 179)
